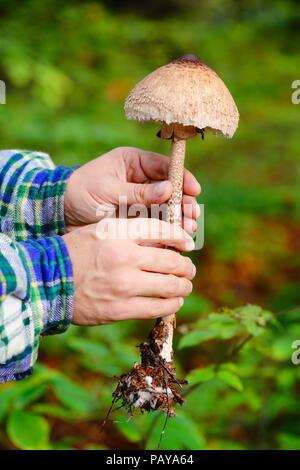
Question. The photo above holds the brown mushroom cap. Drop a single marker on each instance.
(185, 91)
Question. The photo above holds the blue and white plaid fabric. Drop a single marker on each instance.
(36, 284)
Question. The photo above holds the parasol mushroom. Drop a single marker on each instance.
(187, 97)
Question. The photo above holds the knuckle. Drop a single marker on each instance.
(158, 308)
(173, 261)
(172, 286)
(127, 149)
(166, 307)
(122, 285)
(121, 254)
(188, 209)
(138, 192)
(123, 150)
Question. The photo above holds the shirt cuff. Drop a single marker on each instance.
(47, 301)
(52, 291)
(40, 203)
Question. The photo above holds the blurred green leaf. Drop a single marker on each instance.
(28, 431)
(49, 409)
(289, 441)
(129, 429)
(73, 396)
(28, 396)
(96, 350)
(228, 376)
(195, 337)
(181, 434)
(201, 375)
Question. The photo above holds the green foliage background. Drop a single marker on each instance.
(68, 67)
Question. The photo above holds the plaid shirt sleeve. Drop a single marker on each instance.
(36, 286)
(31, 194)
(36, 297)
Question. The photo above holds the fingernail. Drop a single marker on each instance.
(181, 300)
(190, 245)
(160, 188)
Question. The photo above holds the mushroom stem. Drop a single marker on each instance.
(176, 179)
(152, 384)
(174, 216)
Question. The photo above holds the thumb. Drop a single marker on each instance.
(148, 193)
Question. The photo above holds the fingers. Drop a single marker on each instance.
(190, 207)
(153, 193)
(146, 193)
(190, 184)
(146, 232)
(165, 261)
(154, 231)
(189, 225)
(143, 166)
(143, 308)
(190, 211)
(161, 285)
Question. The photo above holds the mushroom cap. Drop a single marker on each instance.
(185, 91)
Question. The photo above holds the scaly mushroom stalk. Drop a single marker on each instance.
(174, 216)
(185, 96)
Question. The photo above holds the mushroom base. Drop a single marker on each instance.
(151, 385)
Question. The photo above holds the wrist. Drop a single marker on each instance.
(69, 196)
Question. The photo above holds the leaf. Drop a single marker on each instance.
(72, 395)
(130, 430)
(181, 433)
(201, 375)
(220, 318)
(289, 441)
(7, 396)
(254, 318)
(51, 410)
(249, 310)
(25, 392)
(252, 327)
(96, 350)
(230, 378)
(98, 357)
(29, 396)
(195, 337)
(28, 431)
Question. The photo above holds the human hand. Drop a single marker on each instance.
(129, 278)
(139, 175)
